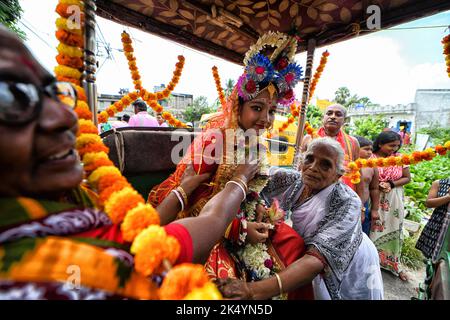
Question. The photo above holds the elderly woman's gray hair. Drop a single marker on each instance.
(332, 144)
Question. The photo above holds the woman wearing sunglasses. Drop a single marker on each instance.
(49, 229)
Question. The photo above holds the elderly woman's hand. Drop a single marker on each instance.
(234, 289)
(190, 180)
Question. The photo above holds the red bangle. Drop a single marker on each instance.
(318, 256)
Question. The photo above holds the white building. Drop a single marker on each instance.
(430, 107)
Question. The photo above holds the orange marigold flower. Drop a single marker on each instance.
(80, 94)
(208, 292)
(181, 280)
(120, 202)
(98, 173)
(371, 163)
(391, 161)
(75, 62)
(98, 163)
(117, 185)
(406, 159)
(68, 79)
(441, 150)
(151, 247)
(108, 180)
(416, 156)
(137, 219)
(95, 147)
(70, 39)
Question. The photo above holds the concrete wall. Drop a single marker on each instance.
(433, 106)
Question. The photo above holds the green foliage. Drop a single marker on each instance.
(10, 14)
(344, 97)
(411, 257)
(438, 135)
(229, 86)
(314, 116)
(369, 127)
(422, 176)
(198, 108)
(413, 212)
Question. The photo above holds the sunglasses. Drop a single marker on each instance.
(20, 103)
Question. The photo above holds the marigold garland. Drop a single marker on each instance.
(181, 280)
(151, 245)
(219, 89)
(317, 74)
(446, 43)
(405, 159)
(208, 292)
(149, 97)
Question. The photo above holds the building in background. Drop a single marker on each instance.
(430, 107)
(175, 104)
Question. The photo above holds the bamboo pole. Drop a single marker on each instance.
(90, 62)
(305, 96)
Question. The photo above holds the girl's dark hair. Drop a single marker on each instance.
(363, 142)
(386, 137)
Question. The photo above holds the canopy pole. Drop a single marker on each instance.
(305, 98)
(90, 62)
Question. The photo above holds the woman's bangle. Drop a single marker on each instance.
(280, 284)
(183, 194)
(241, 181)
(239, 185)
(179, 198)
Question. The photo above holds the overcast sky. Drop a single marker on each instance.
(387, 66)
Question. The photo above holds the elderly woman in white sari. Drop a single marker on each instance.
(341, 261)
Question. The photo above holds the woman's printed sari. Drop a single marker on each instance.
(57, 250)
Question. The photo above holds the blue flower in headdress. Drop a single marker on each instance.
(289, 77)
(259, 68)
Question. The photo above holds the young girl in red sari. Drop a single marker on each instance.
(257, 243)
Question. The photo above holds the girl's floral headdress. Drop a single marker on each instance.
(280, 69)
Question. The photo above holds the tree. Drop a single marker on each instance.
(229, 86)
(198, 108)
(10, 14)
(341, 95)
(345, 98)
(369, 127)
(314, 116)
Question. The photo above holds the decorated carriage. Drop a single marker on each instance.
(226, 29)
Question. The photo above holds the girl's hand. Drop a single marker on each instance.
(190, 180)
(257, 232)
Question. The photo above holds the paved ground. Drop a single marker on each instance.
(396, 289)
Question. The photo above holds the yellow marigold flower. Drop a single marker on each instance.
(97, 173)
(352, 166)
(93, 156)
(208, 292)
(73, 52)
(430, 151)
(137, 219)
(69, 26)
(181, 280)
(355, 181)
(87, 138)
(447, 145)
(120, 202)
(399, 161)
(66, 71)
(151, 247)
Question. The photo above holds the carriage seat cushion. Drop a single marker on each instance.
(146, 150)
